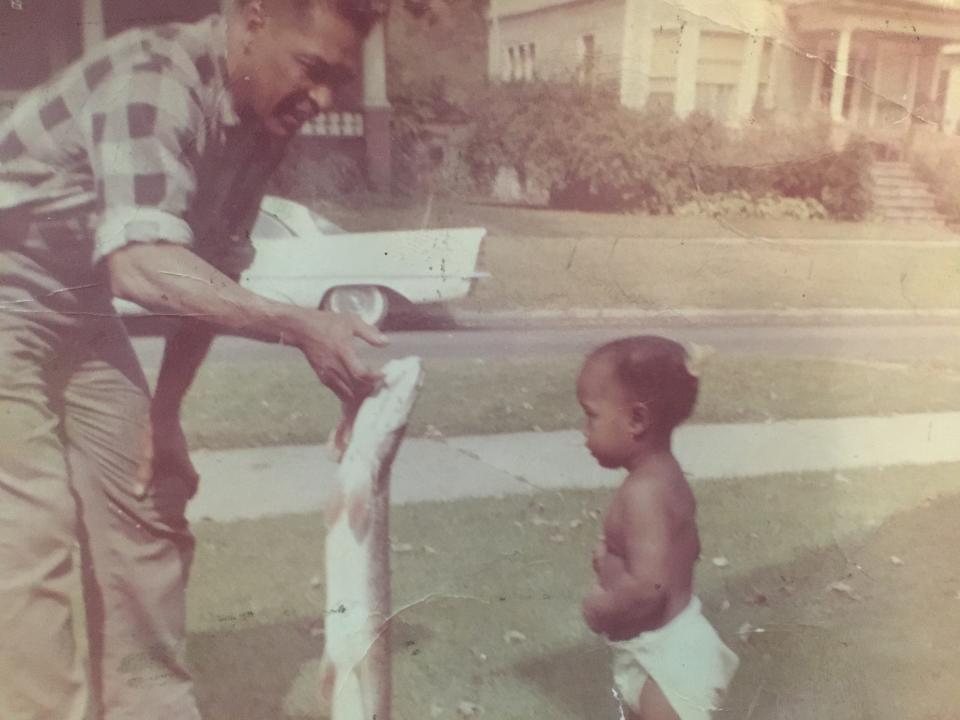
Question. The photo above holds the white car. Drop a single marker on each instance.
(304, 259)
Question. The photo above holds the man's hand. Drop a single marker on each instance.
(171, 455)
(326, 340)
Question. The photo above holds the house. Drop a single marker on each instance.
(38, 38)
(876, 66)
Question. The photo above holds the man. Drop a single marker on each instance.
(137, 173)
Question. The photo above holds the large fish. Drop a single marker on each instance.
(355, 673)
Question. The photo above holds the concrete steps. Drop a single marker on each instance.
(900, 196)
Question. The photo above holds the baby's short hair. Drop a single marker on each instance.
(362, 14)
(654, 370)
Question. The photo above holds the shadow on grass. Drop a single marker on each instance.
(245, 674)
(576, 678)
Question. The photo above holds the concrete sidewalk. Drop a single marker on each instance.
(258, 482)
(694, 316)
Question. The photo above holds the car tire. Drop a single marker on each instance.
(370, 302)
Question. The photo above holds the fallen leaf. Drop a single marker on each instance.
(315, 581)
(721, 562)
(896, 560)
(841, 478)
(543, 522)
(843, 588)
(558, 538)
(724, 606)
(744, 633)
(429, 550)
(576, 524)
(469, 709)
(401, 547)
(514, 637)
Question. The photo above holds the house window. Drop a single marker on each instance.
(530, 68)
(661, 101)
(521, 63)
(716, 99)
(588, 58)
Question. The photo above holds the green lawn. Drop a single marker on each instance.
(887, 653)
(558, 260)
(500, 220)
(250, 405)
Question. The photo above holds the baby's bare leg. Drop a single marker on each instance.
(653, 705)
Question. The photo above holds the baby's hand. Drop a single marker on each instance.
(609, 569)
(599, 550)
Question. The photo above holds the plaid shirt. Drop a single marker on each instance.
(141, 142)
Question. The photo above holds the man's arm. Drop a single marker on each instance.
(165, 276)
(182, 356)
(640, 592)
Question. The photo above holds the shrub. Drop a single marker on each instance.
(936, 158)
(591, 153)
(587, 150)
(741, 204)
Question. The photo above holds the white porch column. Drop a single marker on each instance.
(911, 100)
(376, 106)
(773, 75)
(816, 86)
(637, 54)
(875, 84)
(840, 73)
(749, 76)
(935, 74)
(94, 27)
(375, 68)
(685, 97)
(856, 99)
(494, 44)
(951, 108)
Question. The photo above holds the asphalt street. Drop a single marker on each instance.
(891, 343)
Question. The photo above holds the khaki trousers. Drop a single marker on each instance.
(74, 438)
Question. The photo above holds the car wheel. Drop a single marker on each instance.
(368, 301)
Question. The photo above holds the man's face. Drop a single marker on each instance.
(287, 71)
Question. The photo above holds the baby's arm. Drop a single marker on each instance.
(639, 594)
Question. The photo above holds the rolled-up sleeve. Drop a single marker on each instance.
(142, 131)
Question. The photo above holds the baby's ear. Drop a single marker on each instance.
(640, 417)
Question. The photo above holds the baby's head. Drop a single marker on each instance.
(634, 392)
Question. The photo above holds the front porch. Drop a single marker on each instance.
(880, 71)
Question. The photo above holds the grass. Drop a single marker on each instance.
(369, 213)
(665, 274)
(889, 653)
(282, 403)
(560, 260)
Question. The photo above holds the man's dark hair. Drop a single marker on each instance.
(654, 371)
(361, 14)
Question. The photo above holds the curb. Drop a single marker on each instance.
(698, 316)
